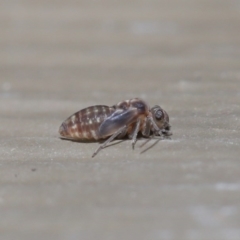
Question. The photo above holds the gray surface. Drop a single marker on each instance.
(60, 56)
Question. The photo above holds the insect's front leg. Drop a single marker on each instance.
(119, 131)
(146, 132)
(158, 131)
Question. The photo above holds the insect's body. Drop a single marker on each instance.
(125, 118)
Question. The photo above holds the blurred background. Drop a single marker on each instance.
(57, 57)
(88, 50)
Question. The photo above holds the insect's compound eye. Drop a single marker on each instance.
(159, 114)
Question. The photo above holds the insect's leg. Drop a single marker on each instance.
(135, 132)
(160, 132)
(154, 124)
(146, 132)
(146, 129)
(148, 140)
(119, 131)
(122, 134)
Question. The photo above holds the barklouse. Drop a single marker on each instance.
(127, 118)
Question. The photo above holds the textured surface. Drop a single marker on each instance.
(60, 56)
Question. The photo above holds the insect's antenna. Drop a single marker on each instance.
(151, 145)
(149, 139)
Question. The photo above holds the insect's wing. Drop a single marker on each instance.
(118, 119)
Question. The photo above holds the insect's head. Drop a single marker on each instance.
(161, 119)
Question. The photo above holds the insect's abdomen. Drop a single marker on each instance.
(84, 125)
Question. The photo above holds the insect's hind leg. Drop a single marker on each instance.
(119, 131)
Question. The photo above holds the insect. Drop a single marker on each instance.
(126, 118)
